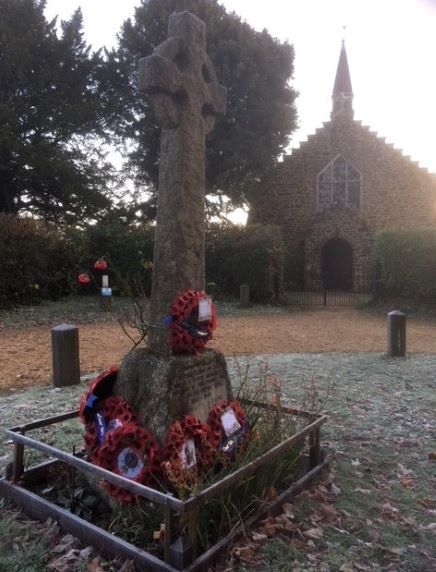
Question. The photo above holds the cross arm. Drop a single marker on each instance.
(157, 74)
(217, 99)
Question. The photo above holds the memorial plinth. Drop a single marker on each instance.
(163, 389)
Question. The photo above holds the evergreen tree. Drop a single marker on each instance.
(52, 116)
(260, 113)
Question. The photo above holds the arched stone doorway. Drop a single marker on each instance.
(338, 228)
(337, 265)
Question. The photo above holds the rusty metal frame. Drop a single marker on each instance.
(111, 545)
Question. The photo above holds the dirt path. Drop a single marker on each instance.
(26, 359)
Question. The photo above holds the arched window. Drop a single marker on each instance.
(339, 185)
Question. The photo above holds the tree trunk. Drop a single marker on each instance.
(6, 199)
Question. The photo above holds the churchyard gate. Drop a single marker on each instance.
(329, 298)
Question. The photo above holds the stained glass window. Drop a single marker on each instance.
(339, 185)
(324, 195)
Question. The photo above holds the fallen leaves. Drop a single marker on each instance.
(346, 568)
(363, 491)
(247, 554)
(407, 482)
(430, 527)
(64, 563)
(406, 476)
(96, 565)
(334, 490)
(66, 544)
(393, 514)
(402, 470)
(305, 535)
(329, 513)
(259, 538)
(288, 510)
(313, 533)
(64, 551)
(427, 502)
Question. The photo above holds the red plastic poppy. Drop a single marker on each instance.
(101, 264)
(188, 453)
(114, 439)
(131, 451)
(83, 278)
(97, 399)
(188, 335)
(219, 439)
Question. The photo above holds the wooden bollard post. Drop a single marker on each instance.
(244, 293)
(396, 334)
(65, 348)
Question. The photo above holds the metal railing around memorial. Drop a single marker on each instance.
(19, 486)
(329, 298)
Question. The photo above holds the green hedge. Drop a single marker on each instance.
(405, 265)
(41, 261)
(37, 260)
(234, 255)
(128, 249)
(250, 255)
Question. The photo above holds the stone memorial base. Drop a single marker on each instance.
(163, 389)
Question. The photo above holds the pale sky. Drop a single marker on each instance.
(391, 47)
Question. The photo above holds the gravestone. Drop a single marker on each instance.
(180, 81)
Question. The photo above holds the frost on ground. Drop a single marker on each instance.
(382, 438)
(375, 509)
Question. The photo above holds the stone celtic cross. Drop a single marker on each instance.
(181, 82)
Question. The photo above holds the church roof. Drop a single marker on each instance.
(343, 79)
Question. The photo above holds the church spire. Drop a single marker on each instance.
(342, 91)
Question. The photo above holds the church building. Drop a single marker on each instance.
(333, 194)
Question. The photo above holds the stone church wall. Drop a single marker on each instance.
(395, 193)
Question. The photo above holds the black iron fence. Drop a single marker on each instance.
(329, 298)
